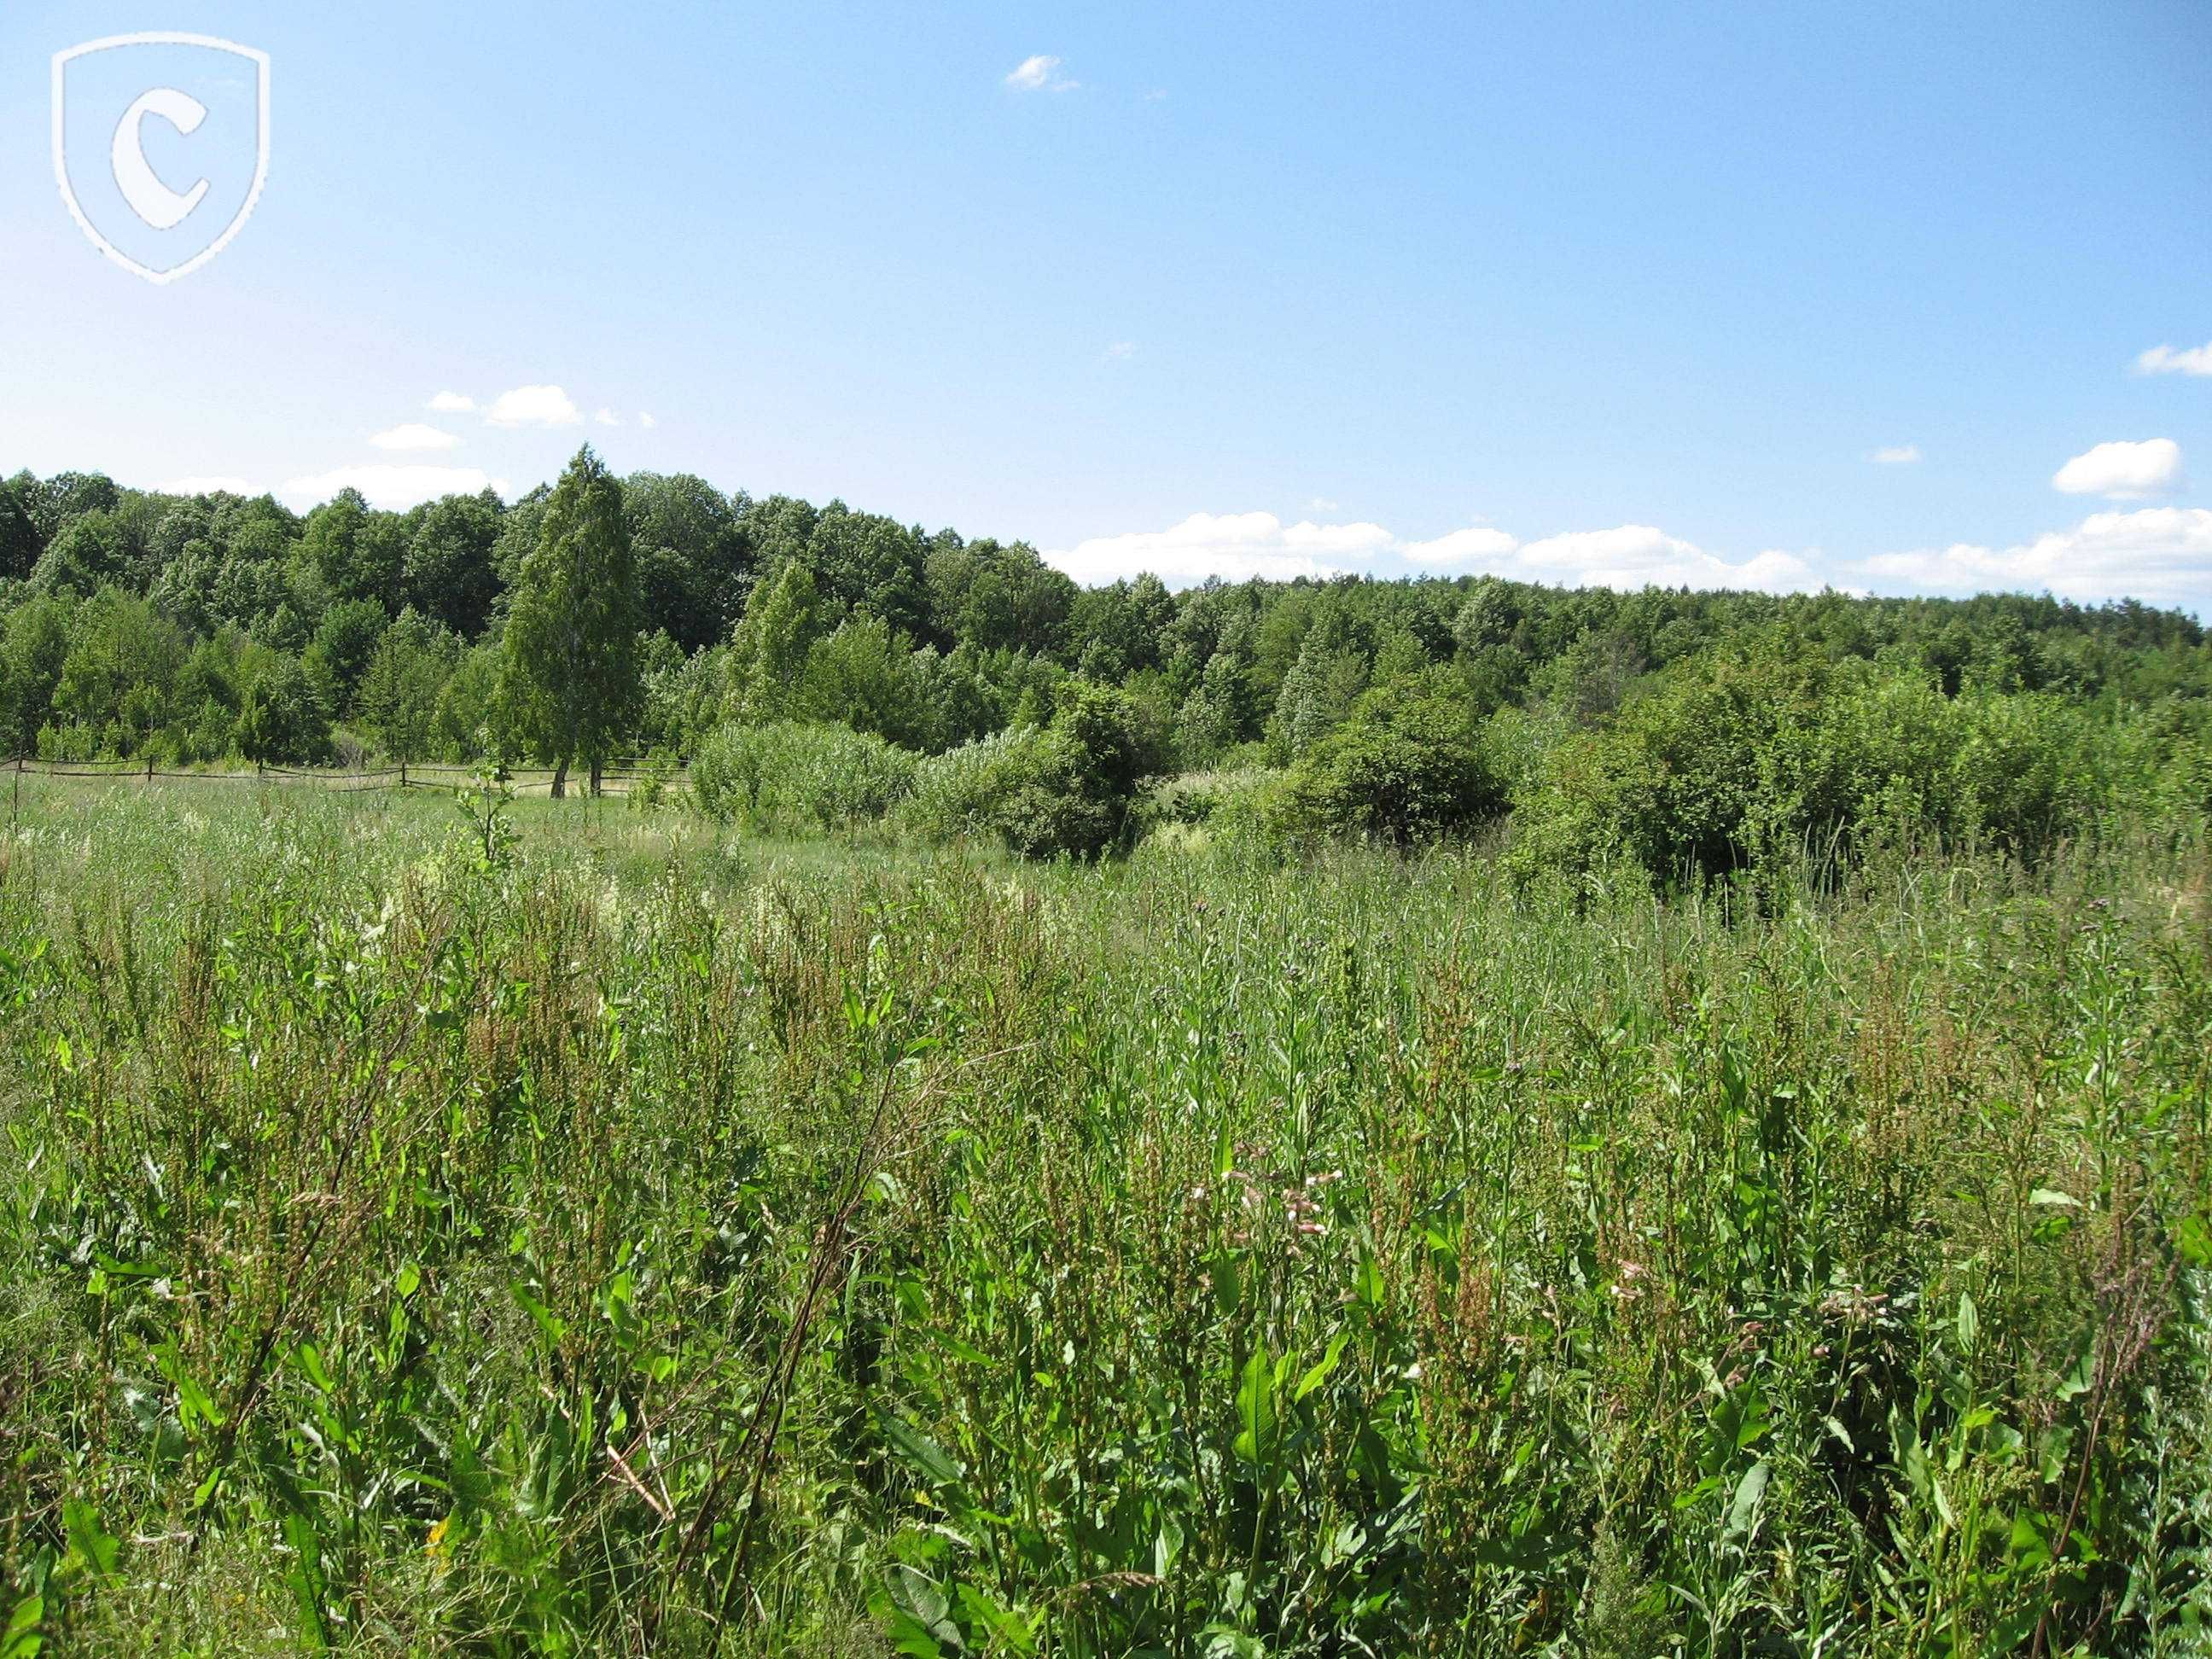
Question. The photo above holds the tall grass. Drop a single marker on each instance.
(605, 1242)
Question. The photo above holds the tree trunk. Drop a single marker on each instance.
(561, 778)
(596, 766)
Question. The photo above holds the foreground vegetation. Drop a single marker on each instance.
(559, 1227)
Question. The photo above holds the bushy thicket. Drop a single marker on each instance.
(956, 795)
(1409, 762)
(790, 778)
(1763, 751)
(1068, 787)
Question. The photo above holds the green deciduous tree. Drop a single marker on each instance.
(20, 541)
(570, 686)
(345, 640)
(448, 572)
(36, 645)
(398, 702)
(122, 664)
(694, 558)
(89, 553)
(769, 647)
(284, 720)
(355, 551)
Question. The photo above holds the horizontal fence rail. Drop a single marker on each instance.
(616, 778)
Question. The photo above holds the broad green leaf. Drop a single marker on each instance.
(1256, 1410)
(548, 1321)
(91, 1545)
(2193, 1239)
(1319, 1372)
(22, 1639)
(918, 1450)
(1745, 1505)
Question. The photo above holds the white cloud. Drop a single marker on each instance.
(2165, 360)
(413, 434)
(393, 486)
(1237, 546)
(645, 420)
(207, 486)
(1039, 74)
(607, 417)
(1232, 545)
(1122, 350)
(1321, 504)
(2161, 555)
(2122, 471)
(534, 405)
(1157, 95)
(1634, 555)
(1470, 546)
(1896, 455)
(453, 403)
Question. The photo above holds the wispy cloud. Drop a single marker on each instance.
(1896, 455)
(1120, 351)
(645, 420)
(1040, 74)
(2162, 555)
(415, 435)
(1232, 545)
(1634, 555)
(1238, 545)
(2122, 471)
(534, 405)
(2165, 360)
(394, 487)
(453, 403)
(607, 417)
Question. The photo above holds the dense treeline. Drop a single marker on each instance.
(826, 667)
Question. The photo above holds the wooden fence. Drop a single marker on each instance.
(616, 778)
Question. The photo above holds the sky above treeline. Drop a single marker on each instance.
(1899, 298)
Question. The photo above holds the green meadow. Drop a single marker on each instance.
(550, 1227)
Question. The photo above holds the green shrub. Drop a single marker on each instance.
(790, 779)
(1195, 797)
(1408, 764)
(1070, 788)
(956, 795)
(656, 785)
(1754, 755)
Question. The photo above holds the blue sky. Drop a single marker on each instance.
(1572, 292)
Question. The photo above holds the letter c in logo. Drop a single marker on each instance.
(149, 198)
